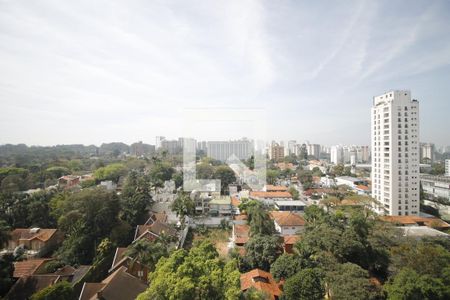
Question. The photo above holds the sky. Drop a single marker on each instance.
(102, 71)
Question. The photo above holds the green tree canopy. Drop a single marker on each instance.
(197, 274)
(262, 250)
(60, 290)
(305, 285)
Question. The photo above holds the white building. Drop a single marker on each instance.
(427, 151)
(222, 150)
(336, 155)
(395, 153)
(314, 150)
(447, 167)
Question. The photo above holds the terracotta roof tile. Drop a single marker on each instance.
(258, 194)
(287, 218)
(26, 234)
(416, 220)
(260, 280)
(28, 267)
(276, 188)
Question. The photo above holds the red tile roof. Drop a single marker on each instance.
(291, 239)
(262, 281)
(241, 233)
(276, 188)
(28, 267)
(416, 220)
(287, 218)
(27, 234)
(258, 194)
(235, 201)
(363, 187)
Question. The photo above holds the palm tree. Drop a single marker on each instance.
(146, 252)
(183, 206)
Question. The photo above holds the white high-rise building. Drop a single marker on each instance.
(447, 167)
(222, 150)
(336, 154)
(395, 153)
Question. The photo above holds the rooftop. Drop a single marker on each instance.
(224, 200)
(262, 281)
(259, 194)
(422, 231)
(28, 267)
(290, 203)
(287, 218)
(32, 233)
(416, 220)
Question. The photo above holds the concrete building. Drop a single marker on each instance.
(395, 153)
(276, 152)
(426, 152)
(222, 150)
(336, 155)
(313, 149)
(436, 186)
(447, 167)
(291, 146)
(158, 142)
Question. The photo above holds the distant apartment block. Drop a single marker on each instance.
(447, 167)
(222, 150)
(276, 151)
(427, 152)
(395, 148)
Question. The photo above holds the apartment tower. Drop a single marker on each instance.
(395, 154)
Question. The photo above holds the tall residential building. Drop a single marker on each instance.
(336, 154)
(222, 150)
(158, 142)
(427, 152)
(314, 150)
(291, 146)
(276, 152)
(395, 153)
(447, 167)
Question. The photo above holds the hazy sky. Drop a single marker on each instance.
(79, 72)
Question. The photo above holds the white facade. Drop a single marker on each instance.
(336, 155)
(447, 167)
(395, 153)
(242, 149)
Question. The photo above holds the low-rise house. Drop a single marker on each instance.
(68, 181)
(109, 185)
(37, 242)
(26, 286)
(157, 216)
(133, 267)
(419, 232)
(289, 241)
(275, 188)
(431, 222)
(220, 206)
(269, 198)
(30, 267)
(290, 205)
(240, 234)
(287, 223)
(153, 231)
(120, 285)
(262, 281)
(351, 182)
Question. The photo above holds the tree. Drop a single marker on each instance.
(146, 252)
(408, 284)
(183, 206)
(254, 294)
(226, 176)
(6, 273)
(285, 266)
(262, 250)
(295, 194)
(347, 282)
(4, 233)
(259, 220)
(204, 171)
(197, 274)
(60, 290)
(135, 198)
(160, 172)
(110, 172)
(305, 285)
(271, 176)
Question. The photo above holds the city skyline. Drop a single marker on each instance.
(73, 73)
